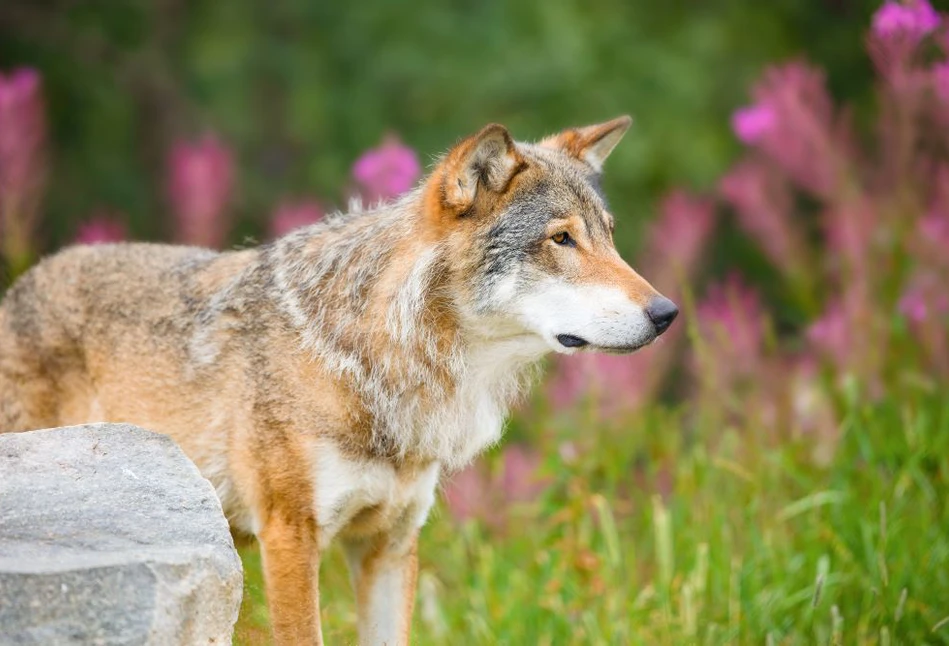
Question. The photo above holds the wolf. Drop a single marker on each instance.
(324, 382)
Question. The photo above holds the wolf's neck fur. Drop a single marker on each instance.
(371, 301)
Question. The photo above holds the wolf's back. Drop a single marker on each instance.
(84, 301)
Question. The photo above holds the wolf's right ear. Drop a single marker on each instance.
(484, 162)
(591, 144)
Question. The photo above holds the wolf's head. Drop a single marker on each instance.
(532, 242)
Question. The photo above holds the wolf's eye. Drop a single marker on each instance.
(562, 238)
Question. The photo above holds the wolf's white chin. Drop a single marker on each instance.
(597, 318)
(592, 348)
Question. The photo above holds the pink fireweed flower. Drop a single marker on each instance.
(387, 171)
(763, 203)
(290, 216)
(832, 334)
(927, 19)
(22, 139)
(520, 474)
(913, 19)
(612, 385)
(21, 130)
(935, 228)
(567, 382)
(924, 298)
(731, 322)
(475, 494)
(940, 81)
(849, 229)
(804, 139)
(830, 329)
(200, 183)
(925, 305)
(897, 30)
(678, 237)
(467, 493)
(751, 123)
(914, 306)
(101, 229)
(929, 243)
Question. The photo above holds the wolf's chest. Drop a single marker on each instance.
(358, 497)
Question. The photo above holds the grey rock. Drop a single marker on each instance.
(109, 535)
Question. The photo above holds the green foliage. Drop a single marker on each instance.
(301, 88)
(730, 537)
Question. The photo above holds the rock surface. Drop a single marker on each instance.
(109, 535)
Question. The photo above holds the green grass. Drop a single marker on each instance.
(666, 531)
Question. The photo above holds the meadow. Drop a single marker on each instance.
(774, 470)
(665, 531)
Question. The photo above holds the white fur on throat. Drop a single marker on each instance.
(328, 275)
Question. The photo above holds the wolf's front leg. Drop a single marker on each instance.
(384, 571)
(291, 564)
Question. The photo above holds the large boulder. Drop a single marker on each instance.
(109, 535)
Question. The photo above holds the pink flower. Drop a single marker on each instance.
(612, 384)
(927, 20)
(22, 139)
(914, 306)
(803, 138)
(466, 493)
(934, 233)
(940, 79)
(930, 244)
(21, 129)
(567, 382)
(914, 19)
(290, 216)
(764, 206)
(101, 229)
(849, 229)
(732, 323)
(387, 171)
(520, 480)
(678, 237)
(925, 305)
(200, 182)
(751, 123)
(832, 334)
(896, 32)
(473, 494)
(935, 227)
(22, 83)
(923, 298)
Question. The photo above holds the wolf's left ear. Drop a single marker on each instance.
(592, 144)
(484, 162)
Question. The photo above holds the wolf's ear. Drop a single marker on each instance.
(592, 144)
(484, 162)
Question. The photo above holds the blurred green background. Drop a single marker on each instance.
(300, 88)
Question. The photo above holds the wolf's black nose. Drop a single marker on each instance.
(662, 312)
